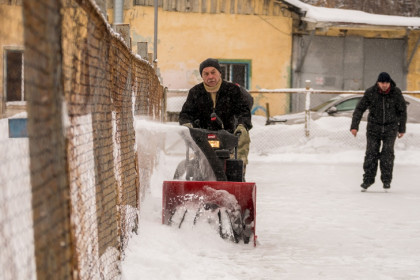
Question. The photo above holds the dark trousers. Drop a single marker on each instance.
(385, 156)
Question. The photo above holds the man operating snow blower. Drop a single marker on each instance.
(231, 103)
(213, 190)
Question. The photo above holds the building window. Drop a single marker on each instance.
(140, 3)
(236, 72)
(14, 75)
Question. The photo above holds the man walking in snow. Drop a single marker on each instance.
(386, 120)
(214, 95)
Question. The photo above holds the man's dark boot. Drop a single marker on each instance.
(365, 186)
(387, 186)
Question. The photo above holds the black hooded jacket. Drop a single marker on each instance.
(387, 111)
(231, 107)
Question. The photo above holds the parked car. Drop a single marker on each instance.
(343, 106)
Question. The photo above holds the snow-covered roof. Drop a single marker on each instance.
(325, 15)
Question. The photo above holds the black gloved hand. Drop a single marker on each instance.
(240, 129)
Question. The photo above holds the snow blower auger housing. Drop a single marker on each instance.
(208, 187)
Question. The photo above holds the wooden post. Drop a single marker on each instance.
(307, 107)
(267, 113)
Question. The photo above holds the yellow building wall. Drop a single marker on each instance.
(186, 39)
(413, 77)
(11, 36)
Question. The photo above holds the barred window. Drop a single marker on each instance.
(141, 3)
(236, 72)
(14, 75)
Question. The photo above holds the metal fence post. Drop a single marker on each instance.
(307, 107)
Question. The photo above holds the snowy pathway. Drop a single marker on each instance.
(312, 223)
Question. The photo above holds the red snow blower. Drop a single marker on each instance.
(208, 187)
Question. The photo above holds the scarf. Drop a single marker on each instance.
(213, 91)
(385, 92)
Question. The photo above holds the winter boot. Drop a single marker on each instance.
(365, 186)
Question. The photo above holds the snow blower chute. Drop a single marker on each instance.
(208, 187)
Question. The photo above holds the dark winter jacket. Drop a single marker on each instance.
(231, 107)
(246, 96)
(387, 111)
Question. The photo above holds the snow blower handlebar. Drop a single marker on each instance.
(216, 122)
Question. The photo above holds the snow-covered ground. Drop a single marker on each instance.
(16, 220)
(312, 220)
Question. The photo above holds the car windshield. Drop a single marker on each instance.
(322, 105)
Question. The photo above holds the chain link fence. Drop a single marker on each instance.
(69, 172)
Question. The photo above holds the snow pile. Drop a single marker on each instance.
(16, 219)
(312, 220)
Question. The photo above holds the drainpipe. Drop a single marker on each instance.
(305, 52)
(118, 11)
(155, 31)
